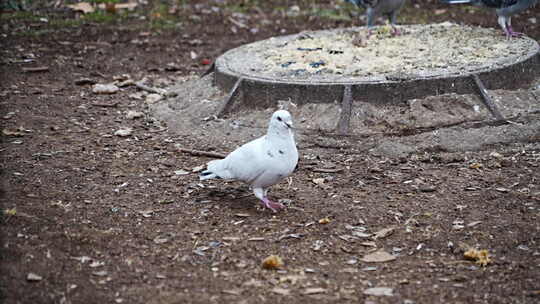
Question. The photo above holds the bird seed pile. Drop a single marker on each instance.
(420, 50)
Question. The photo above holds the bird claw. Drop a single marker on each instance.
(274, 206)
(395, 31)
(510, 33)
(516, 34)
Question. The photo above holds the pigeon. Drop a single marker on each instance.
(375, 8)
(505, 9)
(262, 162)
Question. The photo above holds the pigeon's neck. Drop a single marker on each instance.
(276, 133)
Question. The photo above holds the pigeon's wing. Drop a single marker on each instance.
(487, 3)
(462, 1)
(363, 3)
(245, 163)
(499, 3)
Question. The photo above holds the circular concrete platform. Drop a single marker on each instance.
(426, 60)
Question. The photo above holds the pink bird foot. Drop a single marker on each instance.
(369, 33)
(515, 34)
(510, 33)
(274, 206)
(395, 31)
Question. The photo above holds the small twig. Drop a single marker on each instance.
(150, 89)
(105, 104)
(158, 130)
(331, 146)
(237, 23)
(202, 153)
(36, 69)
(327, 170)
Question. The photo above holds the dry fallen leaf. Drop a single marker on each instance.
(84, 7)
(439, 12)
(231, 238)
(281, 291)
(379, 291)
(134, 114)
(181, 172)
(369, 244)
(319, 181)
(315, 290)
(383, 233)
(481, 257)
(198, 168)
(107, 88)
(360, 234)
(32, 277)
(101, 273)
(476, 166)
(272, 262)
(235, 292)
(146, 213)
(378, 256)
(324, 221)
(11, 212)
(8, 132)
(123, 132)
(496, 155)
(129, 6)
(472, 224)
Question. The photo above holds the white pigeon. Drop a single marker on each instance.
(262, 162)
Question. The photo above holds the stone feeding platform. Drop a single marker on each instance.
(344, 65)
(426, 90)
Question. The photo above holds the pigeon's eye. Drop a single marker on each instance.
(279, 118)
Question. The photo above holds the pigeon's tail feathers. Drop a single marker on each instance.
(460, 1)
(207, 174)
(214, 170)
(358, 2)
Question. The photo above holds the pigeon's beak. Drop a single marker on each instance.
(289, 124)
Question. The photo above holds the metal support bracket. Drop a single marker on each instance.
(486, 99)
(346, 111)
(229, 101)
(209, 70)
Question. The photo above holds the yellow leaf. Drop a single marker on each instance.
(11, 212)
(481, 257)
(378, 256)
(476, 166)
(83, 7)
(324, 221)
(272, 262)
(8, 132)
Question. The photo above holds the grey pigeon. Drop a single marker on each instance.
(505, 9)
(375, 8)
(262, 162)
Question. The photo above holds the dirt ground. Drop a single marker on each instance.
(92, 217)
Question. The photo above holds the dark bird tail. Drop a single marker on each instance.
(207, 174)
(361, 3)
(460, 1)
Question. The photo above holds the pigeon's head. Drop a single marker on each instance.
(281, 120)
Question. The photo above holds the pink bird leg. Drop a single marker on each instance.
(274, 206)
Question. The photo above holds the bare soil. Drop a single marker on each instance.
(90, 217)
